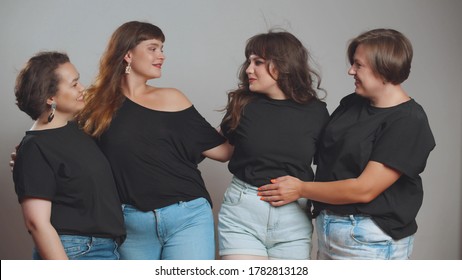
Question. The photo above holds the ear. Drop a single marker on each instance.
(128, 57)
(273, 71)
(50, 100)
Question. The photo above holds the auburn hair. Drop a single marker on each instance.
(104, 97)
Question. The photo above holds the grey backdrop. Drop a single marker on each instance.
(204, 48)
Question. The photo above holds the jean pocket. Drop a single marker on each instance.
(75, 247)
(367, 232)
(232, 196)
(195, 203)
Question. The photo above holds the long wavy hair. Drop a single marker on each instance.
(296, 78)
(104, 97)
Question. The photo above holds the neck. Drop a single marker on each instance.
(133, 86)
(276, 94)
(390, 96)
(58, 121)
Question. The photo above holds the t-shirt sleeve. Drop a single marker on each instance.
(229, 135)
(200, 136)
(32, 175)
(405, 144)
(323, 120)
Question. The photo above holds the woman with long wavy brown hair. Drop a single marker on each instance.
(273, 120)
(154, 139)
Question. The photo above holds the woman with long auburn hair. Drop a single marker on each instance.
(154, 139)
(273, 120)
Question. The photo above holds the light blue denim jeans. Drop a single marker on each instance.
(86, 248)
(357, 237)
(181, 231)
(250, 226)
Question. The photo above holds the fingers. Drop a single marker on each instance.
(268, 187)
(273, 195)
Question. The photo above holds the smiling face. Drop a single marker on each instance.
(146, 59)
(262, 81)
(69, 97)
(367, 83)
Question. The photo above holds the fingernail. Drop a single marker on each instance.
(273, 181)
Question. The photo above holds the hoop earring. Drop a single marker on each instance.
(53, 109)
(128, 69)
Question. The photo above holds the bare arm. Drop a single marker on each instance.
(220, 153)
(13, 157)
(374, 180)
(37, 213)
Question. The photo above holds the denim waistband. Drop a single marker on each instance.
(248, 188)
(356, 216)
(92, 239)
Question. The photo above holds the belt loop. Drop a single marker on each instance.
(352, 219)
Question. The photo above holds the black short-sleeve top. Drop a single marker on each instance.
(66, 166)
(275, 138)
(399, 137)
(154, 154)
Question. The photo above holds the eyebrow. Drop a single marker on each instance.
(76, 79)
(255, 57)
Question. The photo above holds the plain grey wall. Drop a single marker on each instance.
(204, 47)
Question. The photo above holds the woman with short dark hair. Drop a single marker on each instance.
(63, 181)
(368, 190)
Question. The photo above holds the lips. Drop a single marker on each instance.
(158, 65)
(251, 80)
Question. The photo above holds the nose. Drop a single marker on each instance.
(162, 55)
(352, 70)
(81, 87)
(249, 69)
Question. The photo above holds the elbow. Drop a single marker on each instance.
(33, 226)
(366, 197)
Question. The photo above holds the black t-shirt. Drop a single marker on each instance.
(154, 154)
(65, 166)
(399, 137)
(276, 138)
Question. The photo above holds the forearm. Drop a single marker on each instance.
(48, 243)
(337, 192)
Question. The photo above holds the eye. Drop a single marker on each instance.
(259, 62)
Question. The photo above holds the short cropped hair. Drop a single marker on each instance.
(389, 53)
(37, 82)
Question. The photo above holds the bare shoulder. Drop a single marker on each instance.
(172, 99)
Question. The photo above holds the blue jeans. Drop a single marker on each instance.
(249, 226)
(351, 237)
(86, 248)
(181, 231)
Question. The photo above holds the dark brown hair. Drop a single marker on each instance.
(290, 59)
(389, 53)
(104, 97)
(37, 82)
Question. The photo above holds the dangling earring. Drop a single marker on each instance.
(128, 69)
(53, 109)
